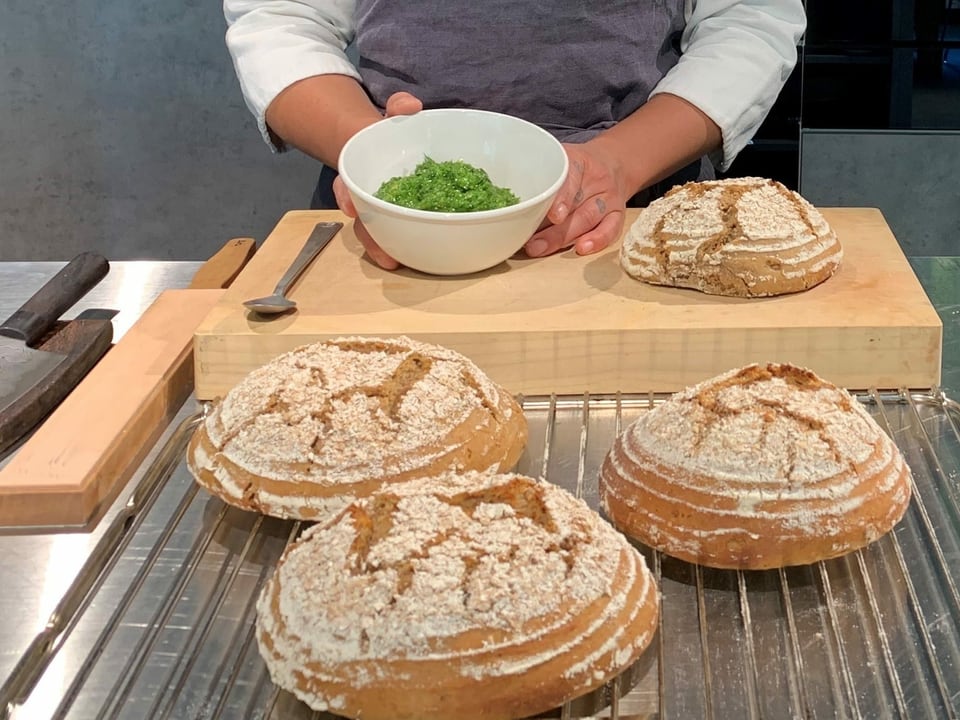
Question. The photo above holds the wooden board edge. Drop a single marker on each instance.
(82, 506)
(632, 365)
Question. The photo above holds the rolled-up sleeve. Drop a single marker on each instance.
(736, 58)
(275, 43)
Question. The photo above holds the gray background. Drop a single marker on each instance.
(912, 176)
(122, 130)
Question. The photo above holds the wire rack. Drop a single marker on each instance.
(160, 622)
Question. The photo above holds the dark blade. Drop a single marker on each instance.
(21, 368)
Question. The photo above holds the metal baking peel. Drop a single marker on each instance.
(24, 368)
(21, 367)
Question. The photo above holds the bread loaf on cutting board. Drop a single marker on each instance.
(761, 467)
(743, 237)
(474, 596)
(315, 428)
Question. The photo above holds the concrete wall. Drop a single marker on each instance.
(122, 130)
(910, 175)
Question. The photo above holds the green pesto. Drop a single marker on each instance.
(447, 186)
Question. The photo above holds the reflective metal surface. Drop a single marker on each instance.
(165, 628)
(165, 631)
(129, 287)
(36, 569)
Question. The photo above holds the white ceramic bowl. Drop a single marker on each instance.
(515, 153)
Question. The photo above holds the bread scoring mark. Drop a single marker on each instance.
(730, 218)
(709, 399)
(524, 498)
(746, 237)
(803, 209)
(374, 520)
(369, 347)
(526, 503)
(389, 395)
(274, 405)
(486, 402)
(414, 368)
(659, 237)
(728, 201)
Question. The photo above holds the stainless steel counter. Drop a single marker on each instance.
(36, 569)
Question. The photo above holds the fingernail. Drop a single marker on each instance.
(586, 248)
(561, 212)
(536, 247)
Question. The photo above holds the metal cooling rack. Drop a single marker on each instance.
(159, 624)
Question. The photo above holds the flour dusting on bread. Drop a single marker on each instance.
(746, 237)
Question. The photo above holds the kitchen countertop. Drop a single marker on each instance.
(36, 569)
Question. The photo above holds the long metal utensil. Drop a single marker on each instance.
(278, 302)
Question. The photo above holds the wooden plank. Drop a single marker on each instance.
(87, 449)
(223, 266)
(570, 324)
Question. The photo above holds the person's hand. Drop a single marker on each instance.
(401, 103)
(589, 210)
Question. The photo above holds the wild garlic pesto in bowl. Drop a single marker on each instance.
(447, 186)
(513, 153)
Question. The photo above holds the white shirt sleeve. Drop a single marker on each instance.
(275, 43)
(736, 58)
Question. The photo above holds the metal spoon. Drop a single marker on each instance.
(322, 234)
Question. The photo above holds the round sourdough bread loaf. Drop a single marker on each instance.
(474, 596)
(303, 435)
(761, 467)
(744, 237)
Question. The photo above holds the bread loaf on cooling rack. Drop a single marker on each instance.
(474, 597)
(760, 467)
(315, 428)
(744, 237)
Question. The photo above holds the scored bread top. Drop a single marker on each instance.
(428, 560)
(333, 410)
(774, 428)
(762, 466)
(347, 410)
(474, 576)
(738, 236)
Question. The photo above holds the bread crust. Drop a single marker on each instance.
(741, 237)
(762, 467)
(326, 423)
(469, 596)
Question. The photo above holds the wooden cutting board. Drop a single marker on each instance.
(570, 324)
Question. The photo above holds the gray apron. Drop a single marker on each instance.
(572, 67)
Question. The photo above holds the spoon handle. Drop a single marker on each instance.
(322, 234)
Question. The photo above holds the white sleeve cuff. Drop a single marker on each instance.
(274, 45)
(736, 58)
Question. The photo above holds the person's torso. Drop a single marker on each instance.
(572, 67)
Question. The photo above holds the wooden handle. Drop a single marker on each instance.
(221, 269)
(38, 314)
(84, 342)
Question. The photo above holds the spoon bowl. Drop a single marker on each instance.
(271, 304)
